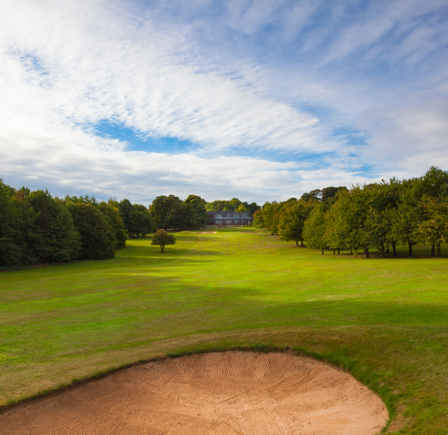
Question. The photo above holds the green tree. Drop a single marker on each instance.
(434, 228)
(197, 211)
(125, 208)
(11, 224)
(353, 208)
(160, 209)
(242, 209)
(56, 238)
(292, 220)
(314, 194)
(252, 208)
(97, 239)
(115, 221)
(258, 219)
(178, 216)
(379, 228)
(162, 238)
(315, 229)
(331, 192)
(141, 222)
(268, 211)
(405, 221)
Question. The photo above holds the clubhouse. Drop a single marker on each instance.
(228, 218)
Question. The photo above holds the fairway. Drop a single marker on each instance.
(384, 320)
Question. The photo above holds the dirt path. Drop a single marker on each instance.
(215, 394)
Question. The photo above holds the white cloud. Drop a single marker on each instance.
(67, 65)
(140, 74)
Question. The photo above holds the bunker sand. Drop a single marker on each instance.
(215, 394)
(207, 232)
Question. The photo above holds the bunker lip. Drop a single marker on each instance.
(207, 232)
(230, 392)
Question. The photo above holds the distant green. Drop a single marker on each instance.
(384, 319)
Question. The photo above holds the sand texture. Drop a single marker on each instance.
(207, 232)
(217, 393)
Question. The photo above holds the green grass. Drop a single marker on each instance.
(385, 321)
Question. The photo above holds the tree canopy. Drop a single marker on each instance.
(162, 238)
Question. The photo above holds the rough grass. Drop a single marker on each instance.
(383, 320)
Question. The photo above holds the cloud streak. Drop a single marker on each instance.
(274, 80)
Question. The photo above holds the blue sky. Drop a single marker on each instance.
(261, 100)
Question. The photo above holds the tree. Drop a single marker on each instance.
(141, 221)
(162, 238)
(379, 228)
(315, 228)
(292, 219)
(233, 204)
(291, 225)
(315, 194)
(353, 207)
(97, 239)
(252, 208)
(178, 216)
(125, 208)
(115, 221)
(331, 192)
(56, 237)
(258, 219)
(434, 228)
(14, 219)
(241, 209)
(160, 209)
(198, 213)
(406, 219)
(269, 209)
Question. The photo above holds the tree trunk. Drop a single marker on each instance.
(439, 250)
(339, 251)
(334, 251)
(297, 243)
(410, 249)
(433, 248)
(387, 249)
(301, 242)
(394, 249)
(382, 251)
(323, 251)
(366, 251)
(162, 248)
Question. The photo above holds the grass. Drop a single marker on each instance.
(385, 321)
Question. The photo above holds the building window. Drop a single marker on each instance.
(224, 215)
(241, 215)
(231, 215)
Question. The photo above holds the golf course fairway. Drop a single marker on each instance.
(383, 320)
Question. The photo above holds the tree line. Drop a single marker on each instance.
(373, 216)
(233, 205)
(37, 228)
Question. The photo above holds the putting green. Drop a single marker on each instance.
(384, 320)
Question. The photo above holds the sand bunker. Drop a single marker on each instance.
(208, 232)
(215, 394)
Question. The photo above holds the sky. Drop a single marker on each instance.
(256, 99)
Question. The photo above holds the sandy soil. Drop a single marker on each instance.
(218, 393)
(208, 232)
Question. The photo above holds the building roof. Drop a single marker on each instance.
(228, 212)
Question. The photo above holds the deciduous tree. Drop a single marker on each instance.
(162, 238)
